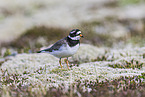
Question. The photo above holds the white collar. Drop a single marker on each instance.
(74, 38)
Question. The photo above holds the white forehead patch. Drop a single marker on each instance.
(79, 32)
(72, 32)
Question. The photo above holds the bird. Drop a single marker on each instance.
(65, 47)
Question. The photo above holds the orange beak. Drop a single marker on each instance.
(81, 35)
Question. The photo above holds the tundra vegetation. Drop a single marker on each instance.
(110, 61)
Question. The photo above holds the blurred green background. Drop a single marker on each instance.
(35, 23)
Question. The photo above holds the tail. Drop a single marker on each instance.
(39, 51)
(43, 51)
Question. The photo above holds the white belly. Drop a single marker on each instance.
(65, 51)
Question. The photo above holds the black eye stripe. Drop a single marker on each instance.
(72, 35)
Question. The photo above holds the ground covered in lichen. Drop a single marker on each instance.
(109, 63)
(92, 72)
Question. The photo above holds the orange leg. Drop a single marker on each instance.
(66, 61)
(60, 62)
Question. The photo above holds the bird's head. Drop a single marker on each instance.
(75, 34)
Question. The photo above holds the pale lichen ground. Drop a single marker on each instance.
(44, 70)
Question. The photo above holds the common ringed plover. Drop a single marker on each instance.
(65, 47)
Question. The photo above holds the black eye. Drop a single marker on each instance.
(72, 35)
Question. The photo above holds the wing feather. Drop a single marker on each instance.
(56, 46)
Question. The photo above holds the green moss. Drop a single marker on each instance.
(58, 70)
(100, 58)
(2, 61)
(128, 2)
(144, 55)
(128, 64)
(7, 53)
(137, 39)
